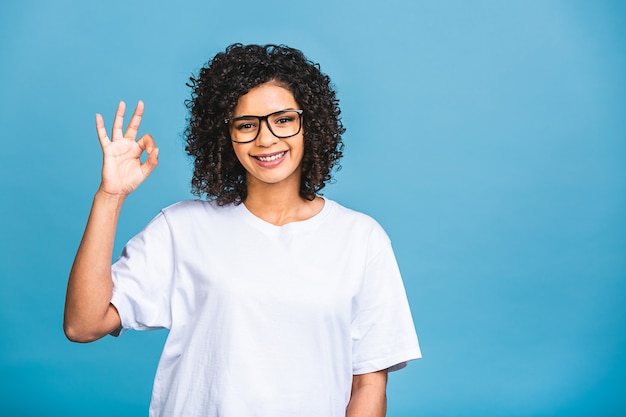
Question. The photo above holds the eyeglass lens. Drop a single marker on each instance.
(282, 124)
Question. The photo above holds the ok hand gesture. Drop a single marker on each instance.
(122, 169)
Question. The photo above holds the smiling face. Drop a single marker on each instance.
(268, 159)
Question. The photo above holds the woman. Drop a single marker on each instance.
(278, 302)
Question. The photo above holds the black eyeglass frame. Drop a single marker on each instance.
(265, 118)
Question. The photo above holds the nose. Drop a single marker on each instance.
(265, 138)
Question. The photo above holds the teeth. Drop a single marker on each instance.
(271, 158)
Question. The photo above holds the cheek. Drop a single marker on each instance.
(301, 148)
(239, 151)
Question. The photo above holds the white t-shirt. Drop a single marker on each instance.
(264, 320)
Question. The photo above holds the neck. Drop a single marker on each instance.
(280, 204)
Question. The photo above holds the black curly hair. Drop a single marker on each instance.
(215, 93)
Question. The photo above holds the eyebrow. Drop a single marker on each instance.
(253, 115)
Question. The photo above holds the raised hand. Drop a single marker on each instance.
(122, 169)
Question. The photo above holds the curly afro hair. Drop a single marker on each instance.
(215, 93)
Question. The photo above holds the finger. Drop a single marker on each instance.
(118, 123)
(146, 142)
(151, 162)
(135, 121)
(102, 132)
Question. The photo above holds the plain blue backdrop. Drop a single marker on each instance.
(487, 137)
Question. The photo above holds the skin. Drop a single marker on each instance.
(369, 397)
(273, 190)
(89, 315)
(272, 196)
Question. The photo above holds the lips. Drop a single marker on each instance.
(270, 157)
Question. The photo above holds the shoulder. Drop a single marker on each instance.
(190, 214)
(357, 222)
(345, 214)
(190, 207)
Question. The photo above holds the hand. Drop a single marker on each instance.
(122, 169)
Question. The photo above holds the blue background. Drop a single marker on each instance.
(487, 137)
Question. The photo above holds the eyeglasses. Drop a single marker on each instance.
(282, 124)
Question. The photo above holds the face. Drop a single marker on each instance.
(268, 159)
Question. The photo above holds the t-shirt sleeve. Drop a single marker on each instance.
(383, 334)
(143, 276)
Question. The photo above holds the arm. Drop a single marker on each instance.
(89, 315)
(369, 395)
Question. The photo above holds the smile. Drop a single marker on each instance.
(270, 158)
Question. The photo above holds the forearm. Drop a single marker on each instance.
(369, 397)
(88, 314)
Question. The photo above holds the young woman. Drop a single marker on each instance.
(278, 302)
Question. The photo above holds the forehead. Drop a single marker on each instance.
(265, 98)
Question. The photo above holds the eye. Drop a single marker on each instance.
(244, 125)
(284, 119)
